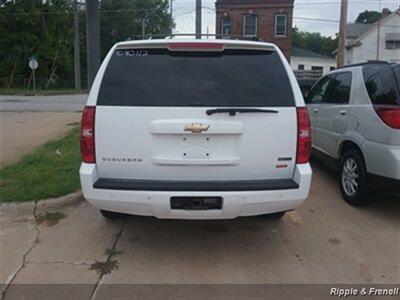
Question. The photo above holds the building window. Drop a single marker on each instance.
(332, 68)
(226, 27)
(317, 69)
(300, 67)
(280, 25)
(392, 44)
(250, 25)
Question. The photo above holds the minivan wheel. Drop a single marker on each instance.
(353, 179)
(110, 215)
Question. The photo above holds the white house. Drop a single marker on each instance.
(373, 42)
(305, 60)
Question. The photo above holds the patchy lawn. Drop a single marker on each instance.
(50, 171)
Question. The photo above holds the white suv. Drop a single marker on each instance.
(355, 120)
(195, 129)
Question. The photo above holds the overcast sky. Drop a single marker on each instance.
(327, 11)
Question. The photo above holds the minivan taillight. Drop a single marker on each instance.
(303, 136)
(389, 114)
(87, 135)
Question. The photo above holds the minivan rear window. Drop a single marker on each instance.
(158, 77)
(381, 84)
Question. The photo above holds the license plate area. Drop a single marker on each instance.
(196, 203)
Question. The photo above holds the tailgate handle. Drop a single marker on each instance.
(233, 111)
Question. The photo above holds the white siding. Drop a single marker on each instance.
(367, 49)
(309, 62)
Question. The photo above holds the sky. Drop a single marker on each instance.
(327, 11)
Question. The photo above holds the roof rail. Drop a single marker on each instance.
(370, 62)
(218, 36)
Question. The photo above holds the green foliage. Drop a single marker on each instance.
(368, 17)
(50, 171)
(314, 41)
(44, 29)
(123, 19)
(35, 28)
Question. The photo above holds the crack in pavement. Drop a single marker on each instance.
(110, 255)
(24, 262)
(58, 262)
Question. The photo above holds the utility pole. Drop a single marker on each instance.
(198, 19)
(143, 28)
(378, 37)
(77, 56)
(342, 32)
(92, 39)
(171, 11)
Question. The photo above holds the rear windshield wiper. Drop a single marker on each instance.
(233, 111)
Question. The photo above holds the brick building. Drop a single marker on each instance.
(267, 20)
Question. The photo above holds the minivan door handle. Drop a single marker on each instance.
(343, 112)
(315, 110)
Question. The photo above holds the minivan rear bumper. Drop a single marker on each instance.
(129, 198)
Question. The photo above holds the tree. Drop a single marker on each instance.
(368, 17)
(35, 28)
(123, 19)
(314, 41)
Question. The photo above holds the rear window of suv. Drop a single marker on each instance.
(382, 84)
(158, 77)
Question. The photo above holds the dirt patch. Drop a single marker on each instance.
(22, 132)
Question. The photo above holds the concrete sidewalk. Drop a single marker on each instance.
(324, 241)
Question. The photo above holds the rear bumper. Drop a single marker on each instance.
(110, 195)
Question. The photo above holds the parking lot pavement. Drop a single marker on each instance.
(323, 241)
(33, 128)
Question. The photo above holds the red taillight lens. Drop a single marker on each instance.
(87, 135)
(303, 136)
(389, 114)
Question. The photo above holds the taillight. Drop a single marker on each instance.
(303, 136)
(87, 135)
(389, 114)
(196, 46)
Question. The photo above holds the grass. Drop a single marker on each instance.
(50, 171)
(23, 92)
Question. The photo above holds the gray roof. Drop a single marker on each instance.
(354, 30)
(307, 53)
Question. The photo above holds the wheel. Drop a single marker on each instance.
(110, 215)
(274, 216)
(353, 179)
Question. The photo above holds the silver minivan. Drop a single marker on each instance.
(355, 127)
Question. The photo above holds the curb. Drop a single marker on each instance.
(29, 208)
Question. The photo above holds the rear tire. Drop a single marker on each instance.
(274, 216)
(110, 215)
(353, 179)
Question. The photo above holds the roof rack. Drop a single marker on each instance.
(172, 35)
(370, 62)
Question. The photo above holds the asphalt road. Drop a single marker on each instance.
(323, 241)
(56, 103)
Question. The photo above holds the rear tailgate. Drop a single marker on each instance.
(152, 121)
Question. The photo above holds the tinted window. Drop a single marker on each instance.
(318, 92)
(161, 78)
(381, 84)
(339, 90)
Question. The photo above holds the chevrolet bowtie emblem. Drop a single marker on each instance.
(196, 127)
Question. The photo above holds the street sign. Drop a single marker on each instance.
(33, 64)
